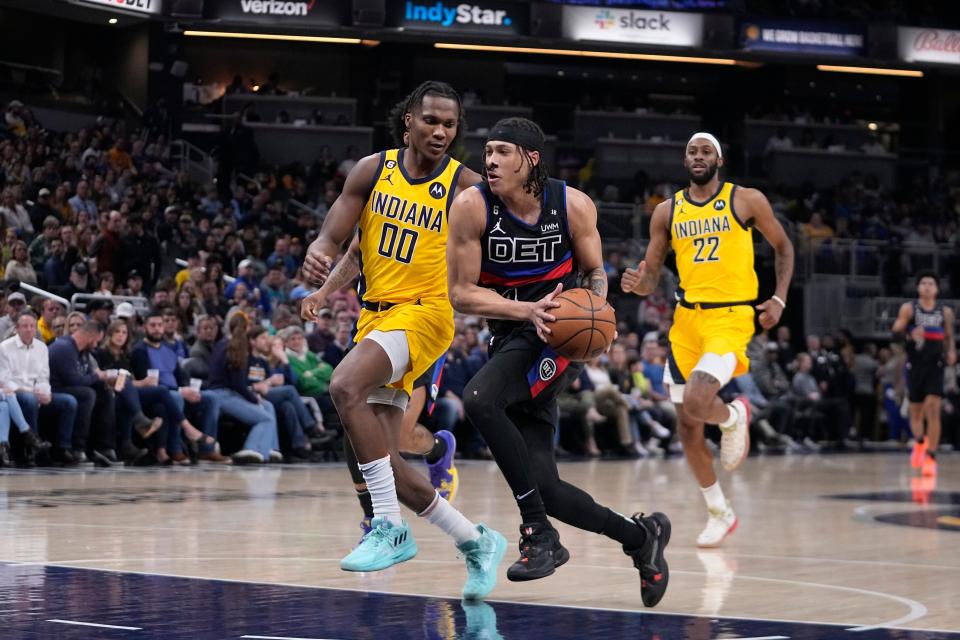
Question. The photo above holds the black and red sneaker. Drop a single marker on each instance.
(540, 553)
(649, 560)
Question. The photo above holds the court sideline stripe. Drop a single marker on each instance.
(846, 625)
(94, 624)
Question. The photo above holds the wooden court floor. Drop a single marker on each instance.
(847, 540)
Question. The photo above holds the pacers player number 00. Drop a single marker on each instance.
(404, 247)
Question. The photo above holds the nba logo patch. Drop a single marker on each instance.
(390, 164)
(548, 369)
(719, 205)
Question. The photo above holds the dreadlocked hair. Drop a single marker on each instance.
(397, 117)
(238, 347)
(536, 181)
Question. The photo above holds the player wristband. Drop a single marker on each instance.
(779, 300)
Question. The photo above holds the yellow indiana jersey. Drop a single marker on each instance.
(403, 231)
(714, 248)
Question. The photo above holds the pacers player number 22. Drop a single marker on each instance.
(710, 244)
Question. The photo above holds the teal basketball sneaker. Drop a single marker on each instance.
(387, 544)
(483, 556)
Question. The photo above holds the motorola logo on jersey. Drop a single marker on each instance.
(464, 14)
(507, 249)
(437, 190)
(719, 205)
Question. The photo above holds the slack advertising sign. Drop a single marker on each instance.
(284, 13)
(507, 18)
(627, 25)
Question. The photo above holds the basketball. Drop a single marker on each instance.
(584, 327)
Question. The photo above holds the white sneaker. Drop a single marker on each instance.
(659, 431)
(735, 440)
(720, 524)
(247, 456)
(275, 456)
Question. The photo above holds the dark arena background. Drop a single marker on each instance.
(165, 166)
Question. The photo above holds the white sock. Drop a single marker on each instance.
(451, 522)
(734, 414)
(713, 495)
(378, 475)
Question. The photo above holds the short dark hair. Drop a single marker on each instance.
(28, 312)
(255, 331)
(928, 274)
(536, 182)
(414, 100)
(91, 326)
(158, 311)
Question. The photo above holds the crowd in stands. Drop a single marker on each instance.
(160, 363)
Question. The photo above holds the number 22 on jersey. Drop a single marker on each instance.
(706, 249)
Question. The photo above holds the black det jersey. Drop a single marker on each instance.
(526, 261)
(931, 350)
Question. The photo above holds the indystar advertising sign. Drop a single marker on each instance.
(288, 13)
(921, 44)
(481, 17)
(626, 25)
(151, 7)
(802, 37)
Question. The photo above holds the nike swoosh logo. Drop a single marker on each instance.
(525, 495)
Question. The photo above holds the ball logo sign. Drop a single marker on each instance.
(929, 45)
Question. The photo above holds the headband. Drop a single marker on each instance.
(529, 139)
(710, 138)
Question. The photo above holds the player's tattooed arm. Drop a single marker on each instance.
(587, 247)
(341, 220)
(596, 281)
(346, 269)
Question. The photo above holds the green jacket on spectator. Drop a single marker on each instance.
(313, 374)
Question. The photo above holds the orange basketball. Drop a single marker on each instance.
(584, 327)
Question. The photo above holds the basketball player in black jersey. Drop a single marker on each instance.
(930, 344)
(515, 242)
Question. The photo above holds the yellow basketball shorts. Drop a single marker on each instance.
(696, 332)
(428, 324)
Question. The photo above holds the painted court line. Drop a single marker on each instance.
(94, 624)
(280, 638)
(848, 626)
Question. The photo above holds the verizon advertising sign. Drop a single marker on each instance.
(628, 25)
(148, 7)
(286, 13)
(920, 44)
